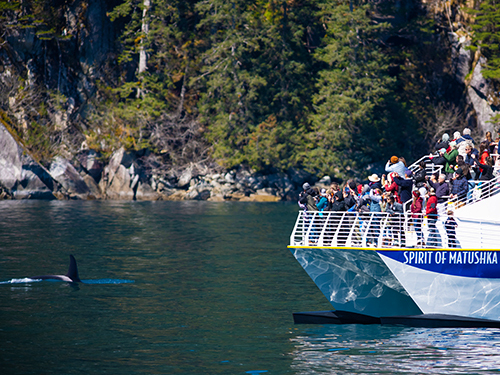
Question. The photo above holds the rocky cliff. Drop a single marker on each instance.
(49, 80)
(125, 178)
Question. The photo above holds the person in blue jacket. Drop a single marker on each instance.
(459, 187)
(405, 186)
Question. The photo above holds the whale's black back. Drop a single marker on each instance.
(72, 273)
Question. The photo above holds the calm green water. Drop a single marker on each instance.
(213, 292)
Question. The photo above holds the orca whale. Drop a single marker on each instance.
(70, 277)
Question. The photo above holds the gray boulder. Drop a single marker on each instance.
(146, 193)
(63, 172)
(20, 175)
(119, 186)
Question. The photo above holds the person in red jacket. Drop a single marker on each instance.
(434, 238)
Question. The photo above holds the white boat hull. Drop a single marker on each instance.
(453, 290)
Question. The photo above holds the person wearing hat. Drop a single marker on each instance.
(374, 182)
(306, 198)
(350, 195)
(323, 200)
(439, 158)
(434, 238)
(459, 185)
(395, 165)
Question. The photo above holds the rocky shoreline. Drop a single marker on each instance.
(124, 178)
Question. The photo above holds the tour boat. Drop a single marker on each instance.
(373, 268)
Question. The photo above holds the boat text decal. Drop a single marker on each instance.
(459, 263)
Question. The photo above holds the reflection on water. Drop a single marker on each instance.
(378, 349)
(188, 288)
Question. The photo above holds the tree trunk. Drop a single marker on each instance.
(143, 60)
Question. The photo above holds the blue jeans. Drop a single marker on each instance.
(417, 222)
(434, 238)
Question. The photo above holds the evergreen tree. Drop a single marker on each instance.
(155, 107)
(487, 36)
(256, 78)
(350, 117)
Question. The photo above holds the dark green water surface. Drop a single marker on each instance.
(213, 292)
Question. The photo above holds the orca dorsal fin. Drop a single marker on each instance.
(73, 270)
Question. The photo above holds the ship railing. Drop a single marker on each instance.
(384, 230)
(430, 167)
(478, 191)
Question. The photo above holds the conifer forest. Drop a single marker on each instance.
(328, 86)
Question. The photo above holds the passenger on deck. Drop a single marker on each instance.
(471, 155)
(462, 148)
(451, 226)
(335, 187)
(396, 219)
(336, 202)
(443, 142)
(364, 200)
(466, 134)
(374, 182)
(439, 159)
(416, 215)
(322, 202)
(406, 186)
(307, 197)
(489, 141)
(420, 175)
(441, 187)
(395, 165)
(487, 167)
(457, 137)
(451, 159)
(350, 196)
(434, 238)
(375, 200)
(403, 160)
(375, 196)
(459, 187)
(486, 175)
(390, 185)
(483, 154)
(470, 152)
(465, 167)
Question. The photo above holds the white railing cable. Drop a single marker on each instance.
(381, 230)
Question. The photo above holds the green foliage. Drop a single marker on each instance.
(151, 108)
(316, 84)
(487, 36)
(38, 142)
(256, 80)
(351, 91)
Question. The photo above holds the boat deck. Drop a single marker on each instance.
(381, 230)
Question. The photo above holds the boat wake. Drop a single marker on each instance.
(108, 281)
(27, 280)
(21, 281)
